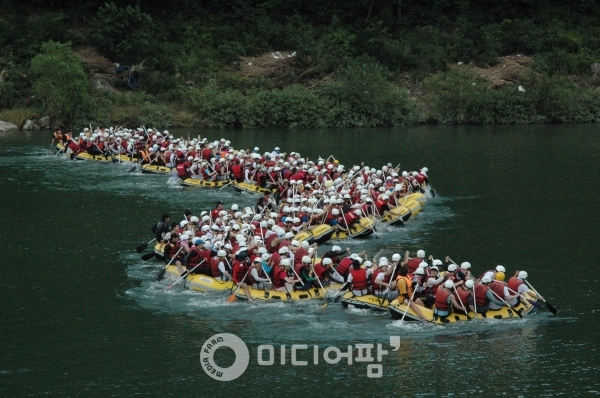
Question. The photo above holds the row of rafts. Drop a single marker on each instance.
(331, 294)
(410, 206)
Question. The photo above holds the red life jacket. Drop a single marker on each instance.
(278, 275)
(344, 266)
(350, 217)
(206, 152)
(193, 257)
(379, 204)
(514, 283)
(463, 296)
(480, 299)
(171, 249)
(181, 172)
(320, 270)
(214, 267)
(238, 171)
(239, 271)
(386, 279)
(359, 279)
(498, 288)
(206, 255)
(413, 264)
(441, 300)
(299, 254)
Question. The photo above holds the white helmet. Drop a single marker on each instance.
(336, 249)
(465, 265)
(368, 264)
(500, 268)
(451, 268)
(183, 223)
(327, 261)
(449, 284)
(265, 256)
(396, 257)
(306, 259)
(436, 262)
(383, 261)
(285, 262)
(469, 284)
(221, 253)
(335, 212)
(421, 253)
(194, 219)
(486, 279)
(522, 275)
(295, 243)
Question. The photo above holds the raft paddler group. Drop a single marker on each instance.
(232, 250)
(323, 198)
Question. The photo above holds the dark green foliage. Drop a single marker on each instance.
(349, 70)
(459, 97)
(123, 34)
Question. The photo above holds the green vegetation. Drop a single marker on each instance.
(359, 63)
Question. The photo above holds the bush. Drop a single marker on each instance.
(122, 34)
(156, 115)
(60, 81)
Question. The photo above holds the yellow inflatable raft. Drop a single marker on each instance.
(94, 158)
(315, 293)
(203, 183)
(159, 249)
(252, 188)
(361, 229)
(397, 310)
(322, 233)
(305, 236)
(123, 159)
(152, 168)
(202, 283)
(368, 301)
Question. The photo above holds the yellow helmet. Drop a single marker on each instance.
(336, 161)
(500, 276)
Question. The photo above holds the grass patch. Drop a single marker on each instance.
(19, 116)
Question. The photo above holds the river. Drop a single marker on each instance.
(82, 315)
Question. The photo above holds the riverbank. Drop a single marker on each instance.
(282, 65)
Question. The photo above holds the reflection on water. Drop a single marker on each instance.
(85, 314)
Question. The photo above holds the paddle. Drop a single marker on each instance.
(230, 182)
(474, 298)
(161, 274)
(408, 305)
(147, 257)
(143, 246)
(532, 302)
(461, 303)
(185, 276)
(508, 305)
(334, 296)
(548, 305)
(231, 298)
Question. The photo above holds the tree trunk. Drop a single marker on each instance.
(370, 10)
(399, 10)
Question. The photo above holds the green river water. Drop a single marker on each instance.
(82, 315)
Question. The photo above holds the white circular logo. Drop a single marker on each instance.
(242, 356)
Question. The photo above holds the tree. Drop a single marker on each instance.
(123, 34)
(59, 80)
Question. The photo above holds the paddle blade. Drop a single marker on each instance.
(551, 308)
(231, 298)
(133, 169)
(141, 247)
(169, 287)
(324, 306)
(534, 303)
(147, 257)
(161, 274)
